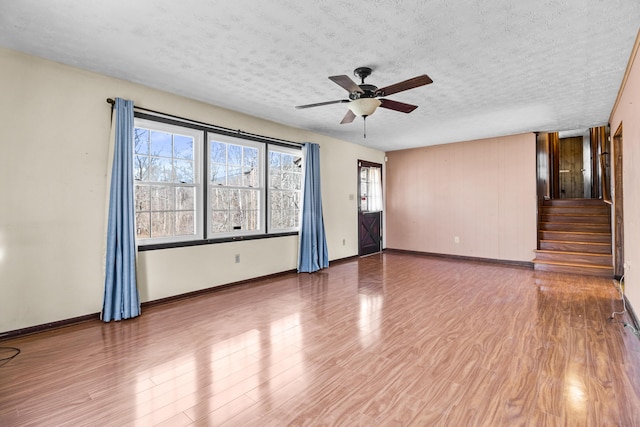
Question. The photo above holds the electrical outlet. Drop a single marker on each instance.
(237, 258)
(344, 242)
(456, 239)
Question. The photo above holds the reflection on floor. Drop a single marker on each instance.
(390, 339)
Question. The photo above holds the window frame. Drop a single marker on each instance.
(293, 152)
(153, 125)
(157, 120)
(261, 147)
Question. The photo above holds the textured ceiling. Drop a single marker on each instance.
(499, 67)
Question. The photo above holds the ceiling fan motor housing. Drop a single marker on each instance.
(368, 91)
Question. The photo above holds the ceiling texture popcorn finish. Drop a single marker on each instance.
(499, 67)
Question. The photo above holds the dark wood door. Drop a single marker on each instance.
(571, 168)
(369, 233)
(369, 207)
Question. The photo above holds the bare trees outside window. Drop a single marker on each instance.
(186, 190)
(285, 183)
(165, 183)
(236, 187)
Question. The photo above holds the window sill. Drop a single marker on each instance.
(153, 247)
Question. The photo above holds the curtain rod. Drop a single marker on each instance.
(221, 128)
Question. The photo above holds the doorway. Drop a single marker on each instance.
(370, 207)
(573, 169)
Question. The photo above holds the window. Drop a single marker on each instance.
(166, 183)
(237, 192)
(285, 183)
(186, 190)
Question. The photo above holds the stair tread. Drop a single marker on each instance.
(603, 233)
(551, 251)
(582, 224)
(572, 242)
(575, 214)
(573, 264)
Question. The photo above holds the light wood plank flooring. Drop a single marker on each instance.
(390, 339)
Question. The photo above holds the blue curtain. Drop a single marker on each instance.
(121, 299)
(313, 254)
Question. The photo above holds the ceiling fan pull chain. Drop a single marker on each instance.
(364, 119)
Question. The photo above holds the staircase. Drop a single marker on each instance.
(575, 237)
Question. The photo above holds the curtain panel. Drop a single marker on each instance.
(121, 299)
(313, 253)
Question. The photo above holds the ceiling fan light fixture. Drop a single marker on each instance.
(363, 107)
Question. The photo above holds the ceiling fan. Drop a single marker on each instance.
(363, 98)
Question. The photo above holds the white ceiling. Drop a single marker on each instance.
(499, 67)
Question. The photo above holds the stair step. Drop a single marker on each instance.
(594, 210)
(573, 226)
(575, 218)
(573, 268)
(604, 260)
(575, 236)
(572, 246)
(574, 202)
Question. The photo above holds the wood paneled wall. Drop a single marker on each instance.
(474, 198)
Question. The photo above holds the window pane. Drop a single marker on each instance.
(218, 152)
(234, 154)
(162, 198)
(235, 203)
(249, 199)
(290, 181)
(250, 157)
(276, 199)
(162, 224)
(274, 159)
(252, 220)
(294, 218)
(288, 200)
(183, 171)
(275, 179)
(185, 198)
(140, 141)
(160, 170)
(143, 228)
(185, 224)
(183, 147)
(251, 178)
(142, 198)
(287, 162)
(220, 198)
(234, 177)
(220, 222)
(140, 168)
(161, 144)
(236, 220)
(218, 174)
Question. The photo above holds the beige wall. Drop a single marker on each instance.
(627, 112)
(483, 192)
(53, 168)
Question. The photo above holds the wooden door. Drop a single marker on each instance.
(618, 228)
(369, 207)
(571, 168)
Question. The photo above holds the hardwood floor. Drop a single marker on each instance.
(390, 339)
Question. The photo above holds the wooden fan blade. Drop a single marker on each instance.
(397, 106)
(405, 85)
(318, 104)
(346, 83)
(348, 118)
